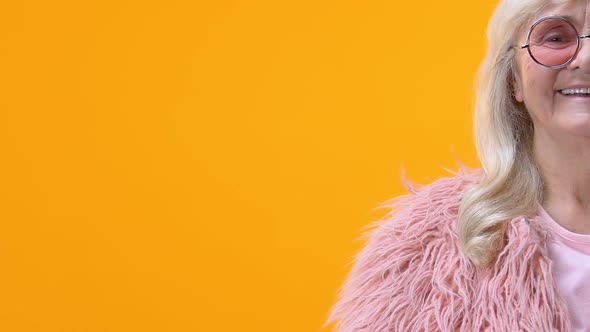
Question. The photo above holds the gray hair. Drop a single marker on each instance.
(513, 185)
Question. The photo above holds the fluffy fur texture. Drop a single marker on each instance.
(412, 276)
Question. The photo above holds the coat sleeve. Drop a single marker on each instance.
(405, 277)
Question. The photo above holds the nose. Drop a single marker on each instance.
(582, 58)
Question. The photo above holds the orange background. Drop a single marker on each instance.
(207, 166)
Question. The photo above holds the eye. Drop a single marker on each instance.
(554, 38)
(559, 37)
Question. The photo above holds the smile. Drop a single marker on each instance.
(578, 91)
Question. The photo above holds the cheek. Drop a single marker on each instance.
(538, 83)
(538, 91)
(530, 81)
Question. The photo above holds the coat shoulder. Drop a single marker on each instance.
(411, 267)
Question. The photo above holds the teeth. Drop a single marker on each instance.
(575, 91)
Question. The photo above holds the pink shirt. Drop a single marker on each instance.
(571, 269)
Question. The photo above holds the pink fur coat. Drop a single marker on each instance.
(411, 275)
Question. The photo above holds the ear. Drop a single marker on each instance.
(517, 86)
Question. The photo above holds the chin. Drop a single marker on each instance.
(578, 127)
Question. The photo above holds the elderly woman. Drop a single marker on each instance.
(507, 247)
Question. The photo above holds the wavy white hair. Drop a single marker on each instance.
(513, 185)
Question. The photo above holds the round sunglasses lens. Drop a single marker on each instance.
(553, 42)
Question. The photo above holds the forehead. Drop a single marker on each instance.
(574, 10)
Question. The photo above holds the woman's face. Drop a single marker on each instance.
(540, 88)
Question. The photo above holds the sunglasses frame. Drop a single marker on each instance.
(578, 42)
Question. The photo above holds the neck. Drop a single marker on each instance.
(564, 164)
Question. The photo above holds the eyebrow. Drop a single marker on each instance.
(570, 18)
(567, 17)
